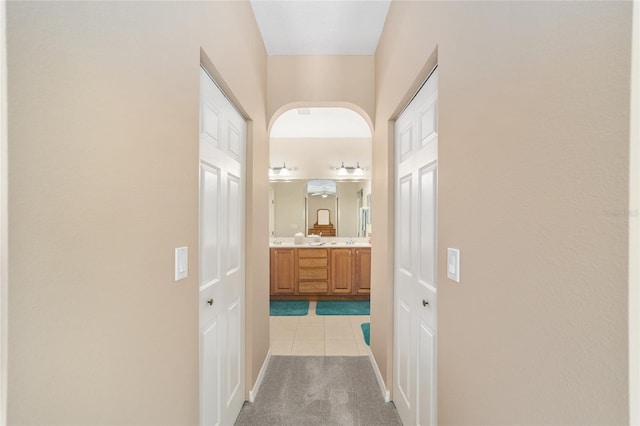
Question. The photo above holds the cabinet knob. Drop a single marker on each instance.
(210, 302)
(424, 302)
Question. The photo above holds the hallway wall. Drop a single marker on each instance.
(321, 81)
(533, 186)
(103, 119)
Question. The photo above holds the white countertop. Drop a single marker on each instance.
(325, 243)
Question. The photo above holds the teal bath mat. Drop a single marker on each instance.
(288, 308)
(343, 307)
(366, 329)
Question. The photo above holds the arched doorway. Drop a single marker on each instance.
(320, 164)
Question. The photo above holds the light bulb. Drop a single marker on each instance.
(342, 171)
(358, 171)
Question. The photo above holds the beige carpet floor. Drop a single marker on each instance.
(316, 390)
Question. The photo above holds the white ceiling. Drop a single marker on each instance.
(320, 27)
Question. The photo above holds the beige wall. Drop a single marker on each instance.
(4, 218)
(103, 120)
(634, 225)
(321, 81)
(533, 166)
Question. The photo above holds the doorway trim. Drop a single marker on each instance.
(426, 70)
(249, 209)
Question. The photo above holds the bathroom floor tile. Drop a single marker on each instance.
(341, 347)
(308, 347)
(310, 333)
(339, 333)
(281, 346)
(316, 321)
(337, 321)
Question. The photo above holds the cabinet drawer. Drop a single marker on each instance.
(312, 274)
(312, 252)
(313, 287)
(319, 261)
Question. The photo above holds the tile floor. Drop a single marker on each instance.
(312, 334)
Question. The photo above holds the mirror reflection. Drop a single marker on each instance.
(320, 161)
(295, 207)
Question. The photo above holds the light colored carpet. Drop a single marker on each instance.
(316, 390)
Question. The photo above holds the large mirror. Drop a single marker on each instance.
(295, 205)
(320, 159)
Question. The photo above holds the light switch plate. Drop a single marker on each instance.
(453, 264)
(182, 263)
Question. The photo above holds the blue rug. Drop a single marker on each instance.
(288, 308)
(366, 329)
(343, 307)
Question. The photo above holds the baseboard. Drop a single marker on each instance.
(385, 392)
(253, 392)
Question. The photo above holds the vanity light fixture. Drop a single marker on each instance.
(284, 171)
(356, 172)
(342, 171)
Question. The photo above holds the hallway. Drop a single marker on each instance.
(315, 390)
(100, 186)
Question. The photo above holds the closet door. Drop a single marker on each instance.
(415, 290)
(222, 254)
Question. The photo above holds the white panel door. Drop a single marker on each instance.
(221, 299)
(415, 301)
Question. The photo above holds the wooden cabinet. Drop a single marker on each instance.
(342, 272)
(363, 271)
(283, 271)
(313, 271)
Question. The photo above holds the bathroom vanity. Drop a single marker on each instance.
(321, 273)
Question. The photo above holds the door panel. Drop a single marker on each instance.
(426, 374)
(234, 352)
(282, 270)
(415, 294)
(403, 356)
(209, 229)
(233, 222)
(209, 377)
(342, 271)
(405, 223)
(363, 271)
(427, 226)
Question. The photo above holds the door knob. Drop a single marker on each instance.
(424, 302)
(210, 302)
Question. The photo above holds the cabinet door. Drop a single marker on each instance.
(363, 271)
(282, 271)
(341, 271)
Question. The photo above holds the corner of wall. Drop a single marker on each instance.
(3, 216)
(634, 224)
